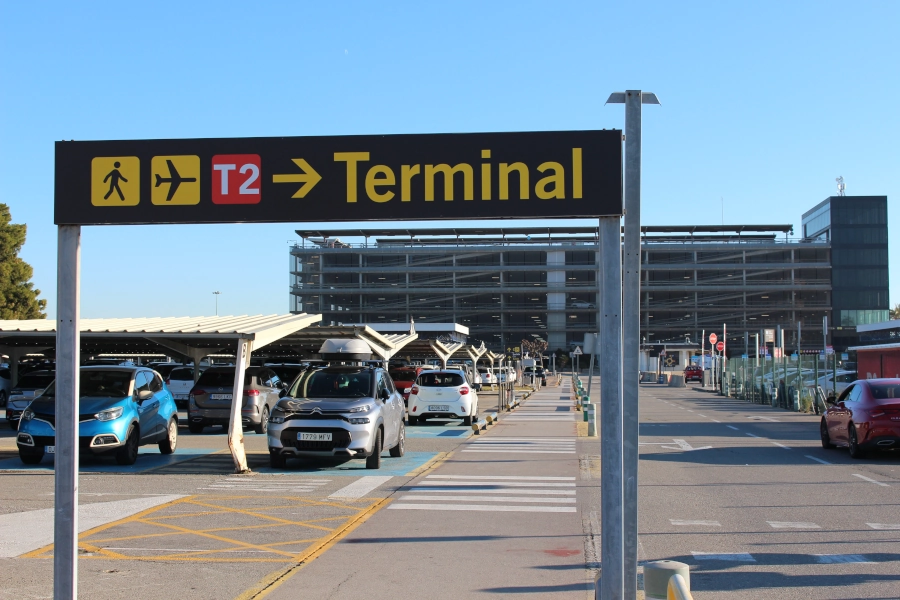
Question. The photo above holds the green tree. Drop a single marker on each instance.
(895, 312)
(18, 298)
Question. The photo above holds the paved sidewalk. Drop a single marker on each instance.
(500, 516)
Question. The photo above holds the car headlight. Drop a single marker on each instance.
(359, 420)
(28, 415)
(359, 409)
(109, 414)
(277, 417)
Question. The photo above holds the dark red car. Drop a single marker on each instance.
(404, 378)
(693, 373)
(866, 416)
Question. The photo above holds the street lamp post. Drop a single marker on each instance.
(216, 294)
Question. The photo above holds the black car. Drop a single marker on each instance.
(27, 389)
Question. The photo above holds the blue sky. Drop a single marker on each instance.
(764, 104)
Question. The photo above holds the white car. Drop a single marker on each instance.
(447, 394)
(180, 382)
(487, 378)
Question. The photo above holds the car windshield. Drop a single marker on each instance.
(333, 384)
(287, 373)
(889, 393)
(223, 378)
(182, 375)
(34, 381)
(111, 384)
(440, 380)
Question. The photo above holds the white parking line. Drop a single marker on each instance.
(819, 460)
(714, 421)
(700, 523)
(704, 416)
(361, 486)
(483, 507)
(731, 557)
(793, 525)
(751, 435)
(511, 477)
(431, 490)
(885, 526)
(870, 480)
(781, 445)
(732, 427)
(486, 483)
(764, 418)
(488, 498)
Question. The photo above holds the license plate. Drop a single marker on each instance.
(442, 407)
(314, 437)
(181, 396)
(50, 449)
(220, 396)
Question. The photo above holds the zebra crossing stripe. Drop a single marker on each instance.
(724, 556)
(832, 559)
(490, 493)
(484, 498)
(482, 507)
(510, 477)
(793, 525)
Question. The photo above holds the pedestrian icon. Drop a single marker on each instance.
(115, 181)
(175, 180)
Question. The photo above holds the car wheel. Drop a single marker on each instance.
(400, 449)
(3, 397)
(263, 426)
(195, 427)
(823, 433)
(31, 457)
(413, 420)
(127, 454)
(853, 444)
(277, 461)
(467, 420)
(374, 461)
(167, 445)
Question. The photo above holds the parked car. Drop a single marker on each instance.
(181, 381)
(693, 373)
(487, 377)
(443, 394)
(866, 416)
(541, 374)
(5, 385)
(209, 402)
(339, 411)
(27, 389)
(404, 378)
(164, 368)
(121, 408)
(839, 381)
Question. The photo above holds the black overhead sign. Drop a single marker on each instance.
(348, 178)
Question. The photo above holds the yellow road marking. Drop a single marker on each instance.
(276, 578)
(431, 464)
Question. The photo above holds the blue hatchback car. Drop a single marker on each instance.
(121, 408)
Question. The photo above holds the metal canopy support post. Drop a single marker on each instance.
(236, 425)
(68, 351)
(611, 494)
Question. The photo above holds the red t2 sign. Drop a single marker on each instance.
(236, 179)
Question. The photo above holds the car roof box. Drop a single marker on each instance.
(345, 350)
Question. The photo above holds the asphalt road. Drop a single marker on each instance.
(742, 493)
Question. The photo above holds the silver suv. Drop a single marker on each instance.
(340, 411)
(209, 402)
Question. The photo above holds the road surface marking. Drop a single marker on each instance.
(832, 559)
(885, 526)
(751, 435)
(870, 480)
(487, 498)
(683, 445)
(757, 417)
(824, 462)
(704, 416)
(793, 525)
(484, 483)
(781, 445)
(431, 490)
(254, 484)
(700, 523)
(361, 486)
(510, 477)
(732, 427)
(482, 507)
(714, 420)
(732, 557)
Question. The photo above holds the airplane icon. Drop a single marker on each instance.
(174, 180)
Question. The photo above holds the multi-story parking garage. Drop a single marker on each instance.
(509, 284)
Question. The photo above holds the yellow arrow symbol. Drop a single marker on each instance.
(307, 176)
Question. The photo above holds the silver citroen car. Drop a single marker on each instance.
(340, 411)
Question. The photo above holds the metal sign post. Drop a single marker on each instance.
(631, 331)
(68, 359)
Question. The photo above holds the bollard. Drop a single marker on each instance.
(588, 409)
(592, 422)
(658, 573)
(476, 428)
(796, 394)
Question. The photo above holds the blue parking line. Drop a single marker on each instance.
(429, 431)
(397, 467)
(148, 458)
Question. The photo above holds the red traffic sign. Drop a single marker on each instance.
(720, 346)
(712, 338)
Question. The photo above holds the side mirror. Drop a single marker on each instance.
(385, 395)
(144, 395)
(282, 393)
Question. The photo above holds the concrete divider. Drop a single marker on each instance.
(676, 381)
(658, 576)
(491, 418)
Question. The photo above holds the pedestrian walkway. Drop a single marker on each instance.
(509, 493)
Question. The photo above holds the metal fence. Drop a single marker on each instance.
(792, 383)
